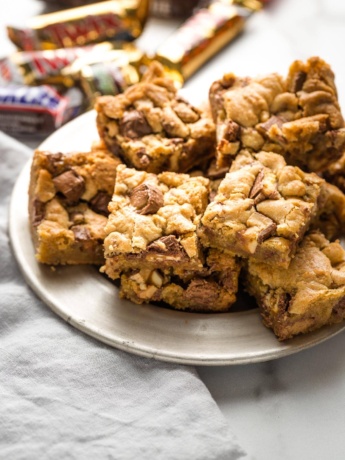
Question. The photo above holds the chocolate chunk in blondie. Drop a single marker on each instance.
(298, 116)
(262, 208)
(153, 129)
(68, 201)
(307, 295)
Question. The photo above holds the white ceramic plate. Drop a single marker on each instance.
(88, 301)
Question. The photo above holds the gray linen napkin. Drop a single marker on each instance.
(64, 395)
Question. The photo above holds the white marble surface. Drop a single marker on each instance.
(292, 408)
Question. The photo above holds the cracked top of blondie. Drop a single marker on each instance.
(297, 116)
(155, 212)
(262, 204)
(152, 128)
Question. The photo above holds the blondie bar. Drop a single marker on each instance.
(68, 205)
(153, 220)
(153, 129)
(307, 295)
(298, 116)
(262, 208)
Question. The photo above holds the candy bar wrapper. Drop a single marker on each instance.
(72, 3)
(203, 35)
(36, 110)
(111, 20)
(110, 78)
(107, 72)
(44, 67)
(253, 5)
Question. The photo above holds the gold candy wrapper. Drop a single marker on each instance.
(106, 72)
(201, 37)
(254, 5)
(111, 20)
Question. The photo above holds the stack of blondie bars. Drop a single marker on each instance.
(186, 206)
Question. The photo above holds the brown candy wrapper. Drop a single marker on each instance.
(203, 35)
(110, 20)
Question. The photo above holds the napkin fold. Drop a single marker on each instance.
(63, 395)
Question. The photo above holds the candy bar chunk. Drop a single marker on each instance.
(211, 289)
(307, 295)
(68, 205)
(298, 117)
(330, 216)
(153, 129)
(262, 208)
(153, 221)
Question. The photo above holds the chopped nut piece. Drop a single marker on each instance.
(156, 279)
